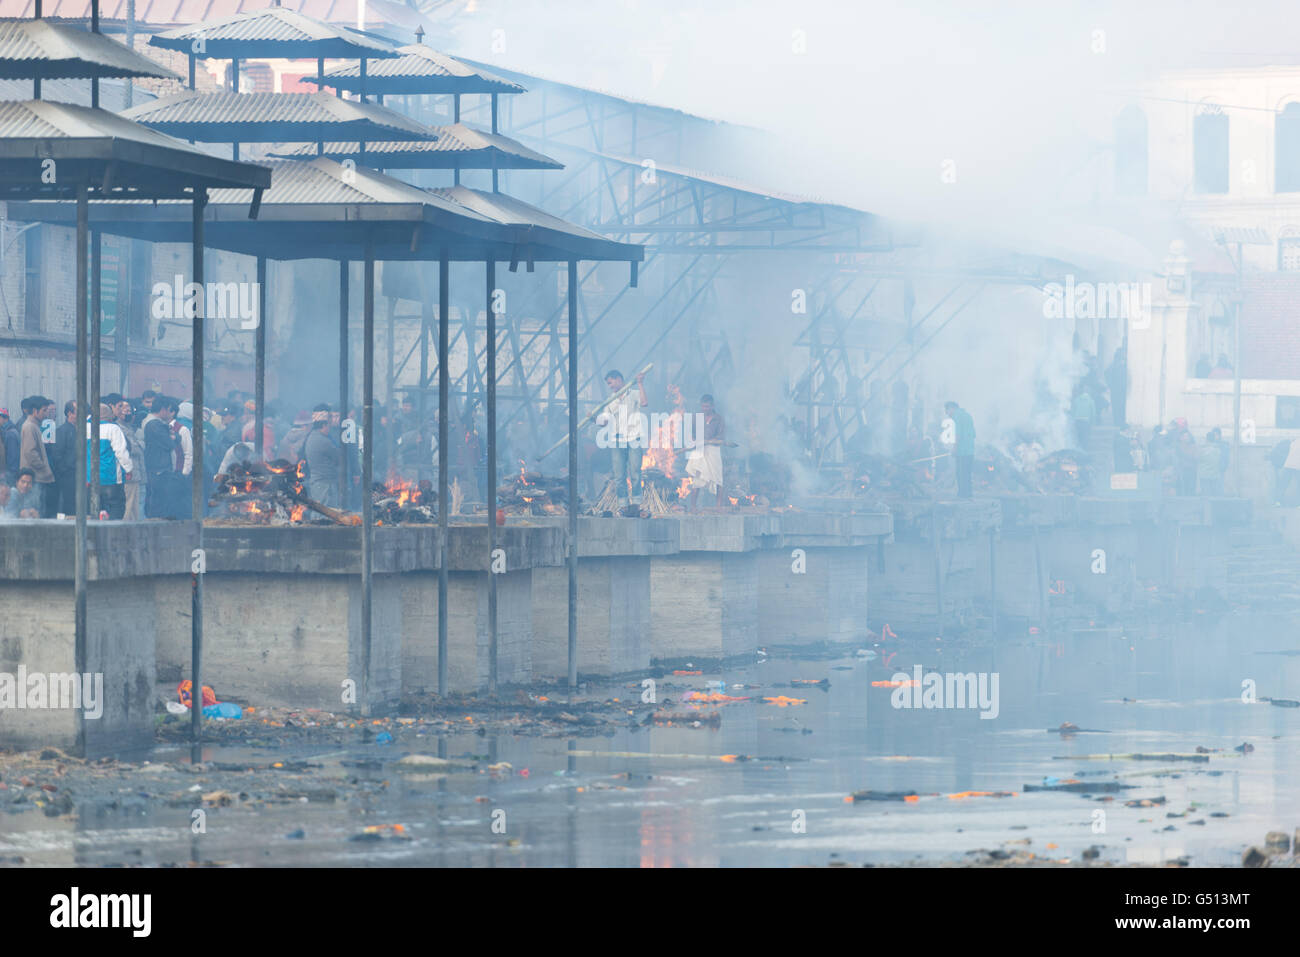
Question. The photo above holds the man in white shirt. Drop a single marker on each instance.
(623, 431)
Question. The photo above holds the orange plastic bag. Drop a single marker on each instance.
(185, 690)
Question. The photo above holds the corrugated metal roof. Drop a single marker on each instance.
(272, 32)
(726, 182)
(225, 117)
(457, 147)
(419, 69)
(108, 151)
(327, 182)
(38, 48)
(49, 120)
(112, 93)
(512, 212)
(174, 13)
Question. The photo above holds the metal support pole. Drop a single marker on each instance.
(196, 486)
(993, 580)
(367, 466)
(492, 474)
(573, 475)
(130, 45)
(80, 573)
(259, 373)
(94, 80)
(443, 503)
(426, 321)
(96, 318)
(1236, 384)
(344, 305)
(938, 566)
(390, 439)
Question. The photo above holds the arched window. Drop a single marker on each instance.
(1286, 150)
(1131, 152)
(1210, 150)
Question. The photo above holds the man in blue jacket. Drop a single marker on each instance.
(964, 451)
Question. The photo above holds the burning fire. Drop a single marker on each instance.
(403, 489)
(297, 512)
(662, 455)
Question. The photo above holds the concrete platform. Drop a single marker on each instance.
(742, 582)
(614, 620)
(130, 566)
(1035, 556)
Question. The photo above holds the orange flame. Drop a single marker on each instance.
(661, 454)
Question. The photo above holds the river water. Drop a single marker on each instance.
(665, 796)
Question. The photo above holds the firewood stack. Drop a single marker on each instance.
(405, 504)
(271, 493)
(534, 494)
(657, 489)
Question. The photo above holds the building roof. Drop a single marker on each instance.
(505, 209)
(726, 182)
(113, 155)
(457, 147)
(227, 117)
(272, 32)
(419, 69)
(39, 48)
(112, 93)
(321, 209)
(168, 13)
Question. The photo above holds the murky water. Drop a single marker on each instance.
(612, 803)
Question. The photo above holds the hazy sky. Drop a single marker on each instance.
(1017, 96)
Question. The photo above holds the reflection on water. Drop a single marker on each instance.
(611, 803)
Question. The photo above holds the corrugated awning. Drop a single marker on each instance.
(457, 147)
(321, 209)
(39, 49)
(47, 149)
(274, 32)
(417, 70)
(229, 117)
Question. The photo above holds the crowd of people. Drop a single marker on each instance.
(146, 452)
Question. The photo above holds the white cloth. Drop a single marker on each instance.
(187, 448)
(1293, 456)
(704, 466)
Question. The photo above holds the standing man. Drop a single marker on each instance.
(964, 450)
(10, 449)
(161, 473)
(114, 463)
(1083, 410)
(1117, 382)
(125, 419)
(63, 461)
(33, 456)
(322, 457)
(704, 464)
(623, 432)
